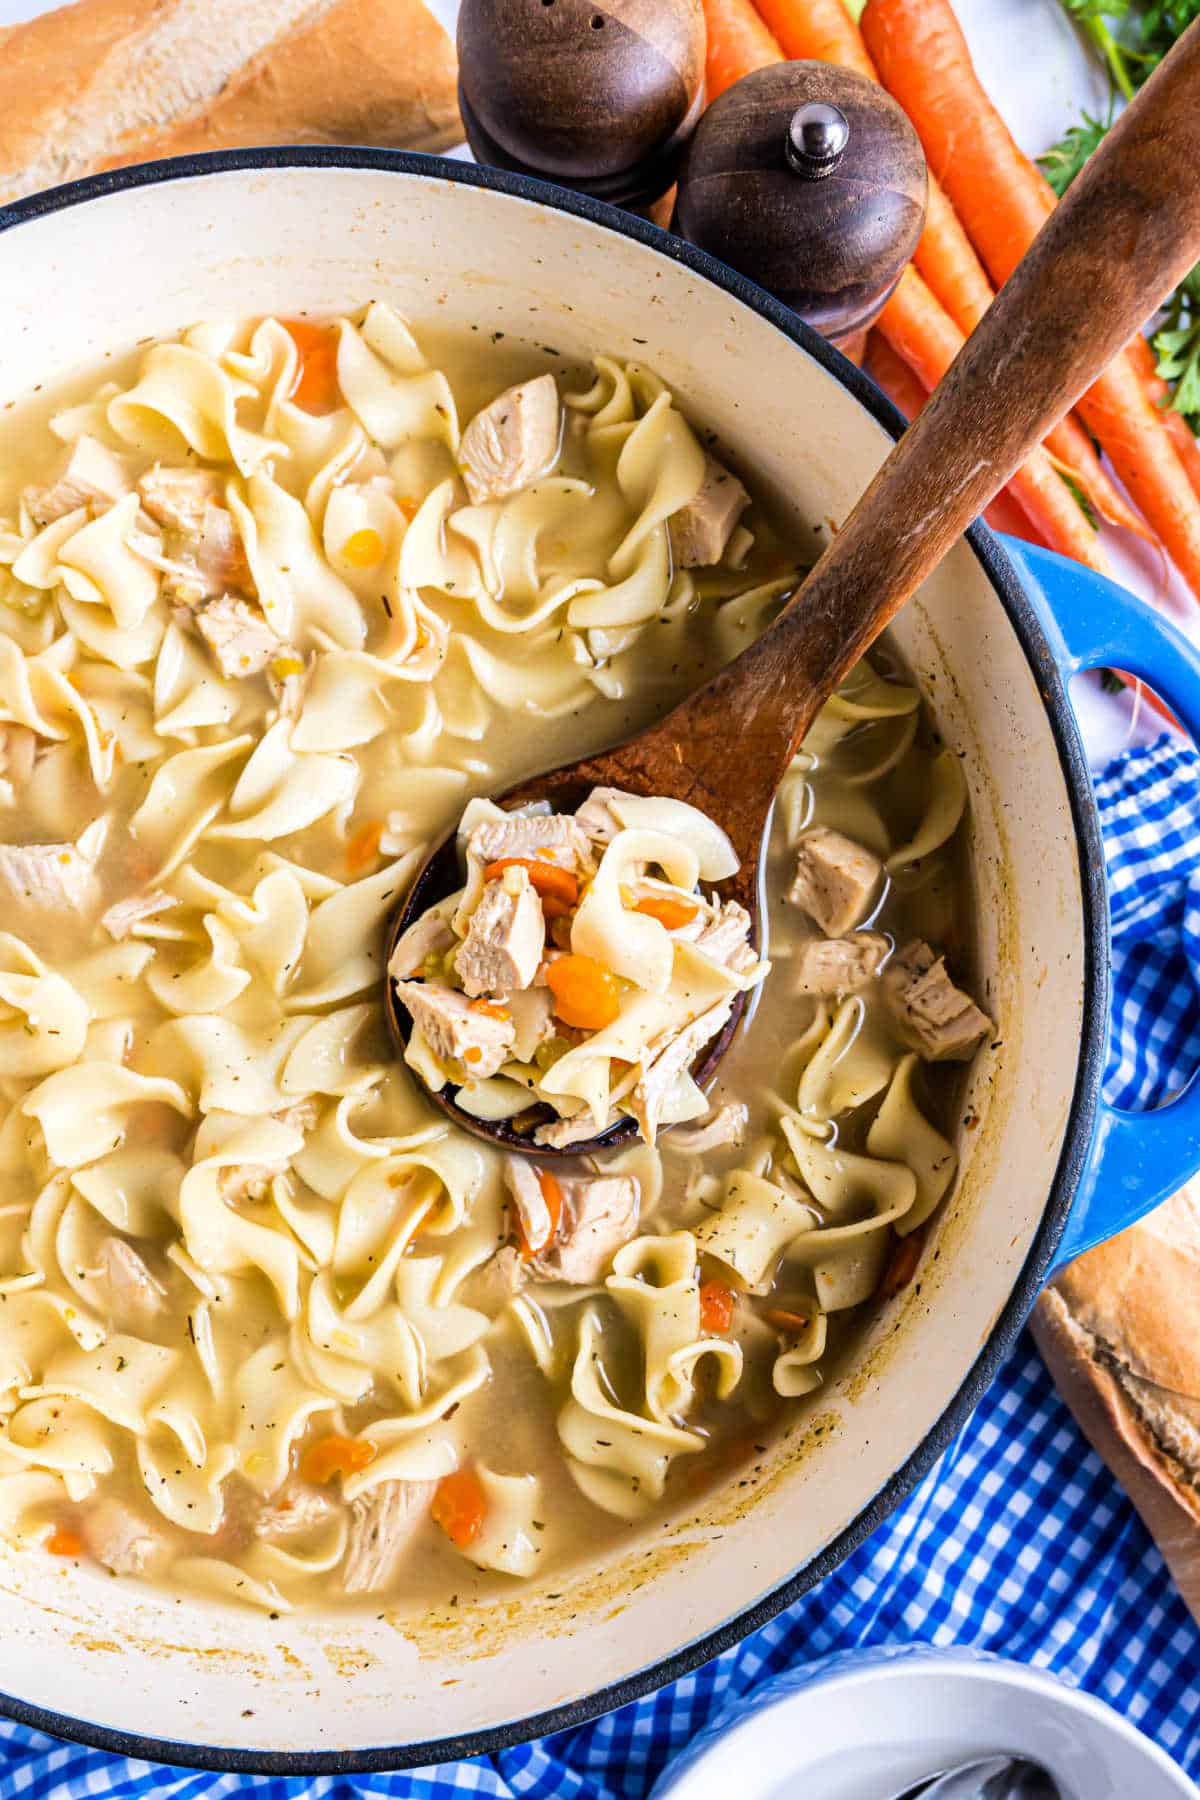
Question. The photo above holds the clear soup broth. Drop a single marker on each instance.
(267, 1328)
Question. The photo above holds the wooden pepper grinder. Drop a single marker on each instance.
(597, 95)
(810, 180)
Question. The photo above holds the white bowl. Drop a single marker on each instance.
(863, 1725)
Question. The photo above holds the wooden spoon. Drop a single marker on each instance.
(1125, 234)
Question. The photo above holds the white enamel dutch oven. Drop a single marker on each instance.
(96, 267)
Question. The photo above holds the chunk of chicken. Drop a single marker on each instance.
(505, 938)
(294, 1509)
(726, 936)
(499, 1280)
(241, 1506)
(385, 1521)
(599, 1214)
(701, 530)
(726, 1127)
(430, 935)
(178, 498)
(529, 1198)
(596, 818)
(48, 880)
(123, 915)
(547, 837)
(237, 633)
(455, 1033)
(835, 880)
(830, 966)
(562, 1133)
(135, 1296)
(242, 1184)
(208, 563)
(119, 1538)
(90, 476)
(512, 441)
(932, 1016)
(661, 1070)
(302, 1115)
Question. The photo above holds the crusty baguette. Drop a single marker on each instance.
(106, 82)
(1120, 1333)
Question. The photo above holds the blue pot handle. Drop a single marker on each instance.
(1137, 1159)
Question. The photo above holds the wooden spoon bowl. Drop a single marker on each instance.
(1126, 233)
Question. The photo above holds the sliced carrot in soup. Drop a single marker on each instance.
(460, 1507)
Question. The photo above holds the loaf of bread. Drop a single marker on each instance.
(107, 82)
(1120, 1333)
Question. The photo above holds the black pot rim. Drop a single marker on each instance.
(1081, 1121)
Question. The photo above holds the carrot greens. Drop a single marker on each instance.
(1063, 161)
(1177, 347)
(1092, 17)
(1132, 36)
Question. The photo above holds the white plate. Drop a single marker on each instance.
(862, 1725)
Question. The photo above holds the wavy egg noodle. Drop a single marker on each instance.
(619, 1458)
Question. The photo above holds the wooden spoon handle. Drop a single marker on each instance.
(1126, 232)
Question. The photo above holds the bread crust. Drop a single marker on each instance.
(1117, 1332)
(1140, 1290)
(104, 83)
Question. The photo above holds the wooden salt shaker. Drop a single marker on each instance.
(810, 180)
(598, 95)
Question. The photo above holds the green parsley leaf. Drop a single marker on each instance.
(1159, 24)
(1063, 161)
(1177, 348)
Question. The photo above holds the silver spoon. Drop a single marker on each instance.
(988, 1778)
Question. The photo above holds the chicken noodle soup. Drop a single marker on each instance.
(578, 966)
(271, 620)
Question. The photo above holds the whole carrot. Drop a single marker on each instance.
(1000, 196)
(1119, 411)
(1073, 453)
(1003, 200)
(888, 369)
(920, 330)
(738, 43)
(947, 260)
(817, 31)
(1159, 395)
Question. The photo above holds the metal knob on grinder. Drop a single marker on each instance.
(810, 180)
(816, 139)
(597, 95)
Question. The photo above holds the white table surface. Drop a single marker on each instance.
(1040, 76)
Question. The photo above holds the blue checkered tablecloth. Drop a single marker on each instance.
(1018, 1541)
